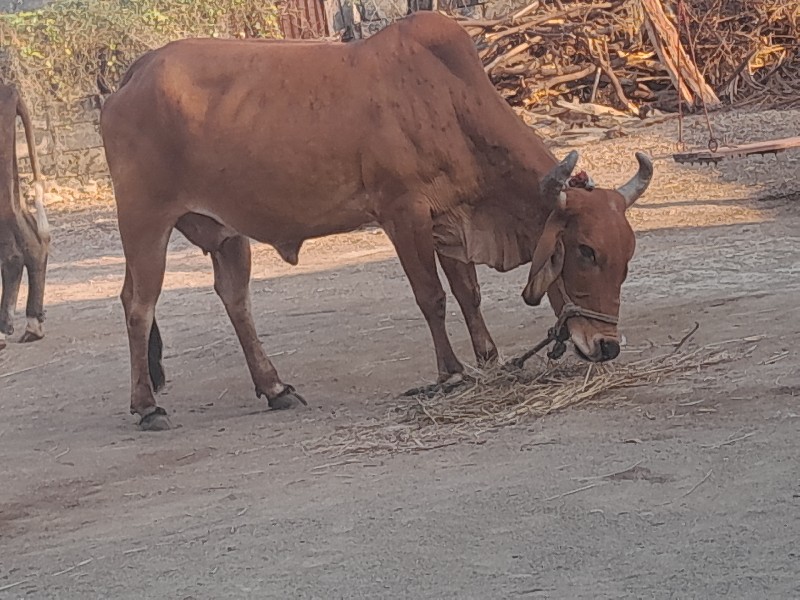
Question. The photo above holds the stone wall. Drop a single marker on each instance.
(21, 5)
(67, 140)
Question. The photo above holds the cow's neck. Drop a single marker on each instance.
(517, 161)
(500, 226)
(514, 158)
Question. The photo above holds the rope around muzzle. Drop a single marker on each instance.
(559, 333)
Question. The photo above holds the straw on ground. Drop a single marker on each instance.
(501, 397)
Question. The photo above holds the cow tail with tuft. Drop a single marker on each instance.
(42, 225)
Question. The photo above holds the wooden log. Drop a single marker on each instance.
(525, 11)
(505, 56)
(595, 110)
(632, 108)
(568, 77)
(768, 147)
(687, 79)
(541, 20)
(488, 23)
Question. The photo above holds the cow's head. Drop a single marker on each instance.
(583, 254)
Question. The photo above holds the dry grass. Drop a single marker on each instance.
(503, 397)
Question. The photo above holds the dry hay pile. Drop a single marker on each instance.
(632, 54)
(503, 397)
(749, 49)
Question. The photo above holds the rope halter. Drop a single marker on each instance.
(559, 333)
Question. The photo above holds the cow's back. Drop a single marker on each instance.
(311, 131)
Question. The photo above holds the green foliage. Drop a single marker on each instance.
(71, 48)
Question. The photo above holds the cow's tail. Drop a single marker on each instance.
(42, 225)
(155, 349)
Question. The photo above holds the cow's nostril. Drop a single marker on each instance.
(609, 349)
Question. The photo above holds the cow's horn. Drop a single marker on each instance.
(553, 183)
(632, 190)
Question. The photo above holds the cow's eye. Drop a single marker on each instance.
(587, 252)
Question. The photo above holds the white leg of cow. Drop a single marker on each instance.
(232, 283)
(410, 228)
(145, 256)
(34, 311)
(464, 284)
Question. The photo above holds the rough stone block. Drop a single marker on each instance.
(44, 142)
(90, 163)
(79, 136)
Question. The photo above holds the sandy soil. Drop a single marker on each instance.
(228, 505)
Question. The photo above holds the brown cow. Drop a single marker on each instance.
(24, 240)
(281, 142)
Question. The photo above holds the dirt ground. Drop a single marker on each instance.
(686, 489)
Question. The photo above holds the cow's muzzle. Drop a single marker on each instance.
(601, 349)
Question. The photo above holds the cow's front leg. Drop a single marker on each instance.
(410, 228)
(464, 284)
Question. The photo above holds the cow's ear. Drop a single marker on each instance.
(548, 257)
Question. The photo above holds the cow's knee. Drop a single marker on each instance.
(139, 318)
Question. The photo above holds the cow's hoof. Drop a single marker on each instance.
(288, 398)
(443, 387)
(2, 342)
(155, 421)
(33, 332)
(30, 336)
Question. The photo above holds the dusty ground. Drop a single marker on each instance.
(229, 506)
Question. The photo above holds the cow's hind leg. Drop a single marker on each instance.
(230, 254)
(36, 264)
(410, 228)
(464, 284)
(145, 246)
(11, 274)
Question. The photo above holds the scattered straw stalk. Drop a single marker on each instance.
(500, 397)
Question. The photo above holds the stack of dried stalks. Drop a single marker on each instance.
(501, 397)
(628, 53)
(749, 49)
